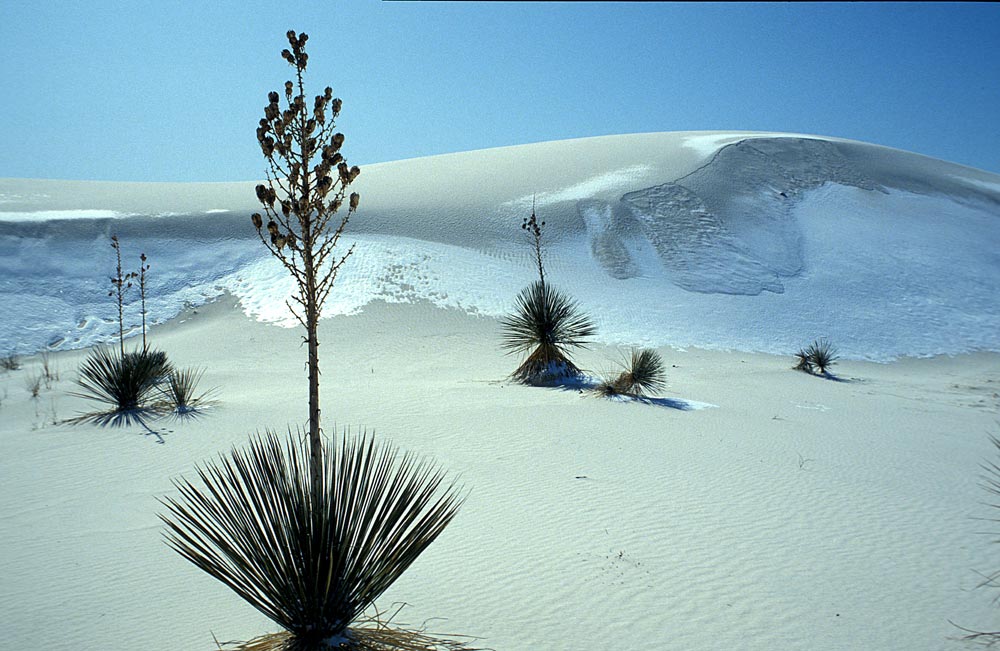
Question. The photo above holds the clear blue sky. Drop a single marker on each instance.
(172, 91)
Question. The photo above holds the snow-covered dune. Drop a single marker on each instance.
(752, 241)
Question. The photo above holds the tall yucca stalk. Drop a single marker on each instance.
(310, 562)
(547, 323)
(307, 181)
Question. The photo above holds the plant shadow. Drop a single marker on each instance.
(585, 383)
(122, 418)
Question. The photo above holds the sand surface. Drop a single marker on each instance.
(795, 513)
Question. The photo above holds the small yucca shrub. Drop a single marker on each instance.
(180, 392)
(124, 383)
(817, 358)
(642, 374)
(312, 564)
(547, 323)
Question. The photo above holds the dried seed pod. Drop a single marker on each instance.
(288, 89)
(257, 221)
(355, 198)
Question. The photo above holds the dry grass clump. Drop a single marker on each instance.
(10, 362)
(311, 563)
(547, 323)
(642, 375)
(370, 633)
(817, 358)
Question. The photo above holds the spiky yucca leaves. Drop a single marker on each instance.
(643, 374)
(311, 565)
(547, 323)
(821, 355)
(124, 383)
(802, 362)
(180, 392)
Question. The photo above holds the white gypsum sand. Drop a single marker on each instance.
(781, 511)
(800, 512)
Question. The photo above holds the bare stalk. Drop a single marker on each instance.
(121, 284)
(143, 268)
(534, 228)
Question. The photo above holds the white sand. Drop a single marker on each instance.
(799, 514)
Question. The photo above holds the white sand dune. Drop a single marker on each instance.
(793, 513)
(760, 241)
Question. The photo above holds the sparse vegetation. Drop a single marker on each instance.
(124, 384)
(10, 362)
(817, 358)
(991, 484)
(143, 268)
(180, 392)
(534, 229)
(121, 282)
(50, 374)
(301, 199)
(547, 323)
(310, 533)
(641, 375)
(376, 514)
(33, 383)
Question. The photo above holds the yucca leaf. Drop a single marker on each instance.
(311, 566)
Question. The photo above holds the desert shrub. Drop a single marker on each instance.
(33, 383)
(50, 374)
(180, 391)
(817, 358)
(546, 323)
(642, 374)
(802, 361)
(125, 384)
(10, 362)
(311, 563)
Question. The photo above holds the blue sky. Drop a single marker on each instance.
(173, 91)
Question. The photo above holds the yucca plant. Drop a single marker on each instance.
(546, 323)
(818, 357)
(124, 383)
(990, 483)
(312, 563)
(642, 374)
(802, 361)
(180, 392)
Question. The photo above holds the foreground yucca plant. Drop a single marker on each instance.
(124, 383)
(641, 375)
(547, 323)
(311, 564)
